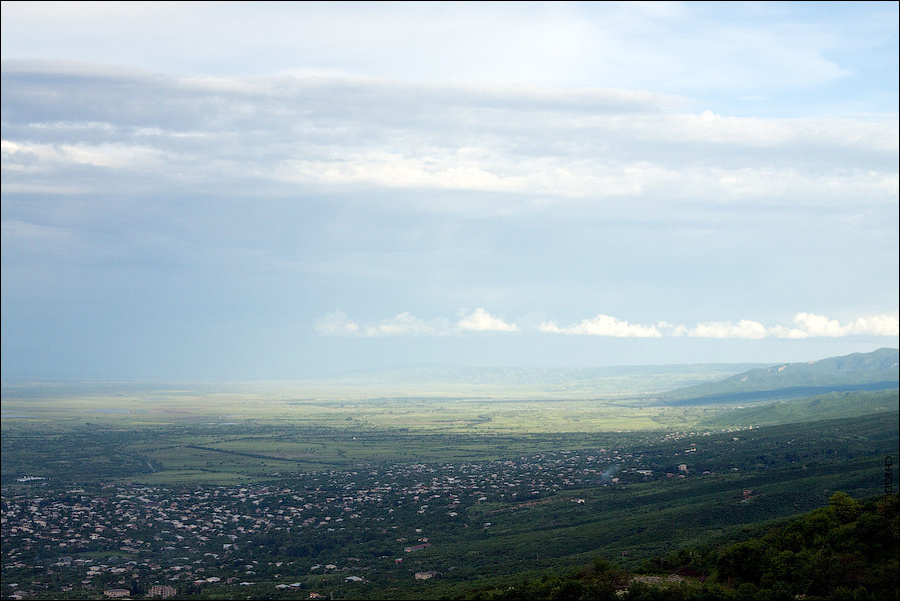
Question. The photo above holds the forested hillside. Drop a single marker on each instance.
(833, 405)
(846, 550)
(877, 370)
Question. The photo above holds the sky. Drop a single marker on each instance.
(233, 191)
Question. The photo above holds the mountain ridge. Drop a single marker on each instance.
(878, 370)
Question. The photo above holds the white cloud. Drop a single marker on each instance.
(586, 178)
(404, 324)
(744, 329)
(336, 323)
(36, 157)
(768, 133)
(810, 325)
(669, 329)
(879, 325)
(482, 321)
(805, 325)
(604, 325)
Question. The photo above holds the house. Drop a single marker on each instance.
(162, 590)
(427, 575)
(117, 593)
(416, 547)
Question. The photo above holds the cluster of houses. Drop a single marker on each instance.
(194, 536)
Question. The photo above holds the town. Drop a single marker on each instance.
(352, 526)
(374, 530)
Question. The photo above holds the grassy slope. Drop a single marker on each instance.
(860, 371)
(828, 406)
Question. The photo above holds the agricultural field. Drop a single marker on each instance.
(180, 434)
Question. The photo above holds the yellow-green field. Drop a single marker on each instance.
(213, 435)
(335, 407)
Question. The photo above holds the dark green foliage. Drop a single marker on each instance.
(836, 551)
(847, 550)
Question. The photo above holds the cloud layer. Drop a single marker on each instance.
(351, 132)
(805, 325)
(746, 49)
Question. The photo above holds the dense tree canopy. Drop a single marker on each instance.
(847, 550)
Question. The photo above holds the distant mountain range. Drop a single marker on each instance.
(696, 384)
(494, 375)
(878, 370)
(530, 381)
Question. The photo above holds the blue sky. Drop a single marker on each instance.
(292, 190)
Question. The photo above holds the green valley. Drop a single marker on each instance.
(279, 490)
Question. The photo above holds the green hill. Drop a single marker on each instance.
(833, 405)
(877, 370)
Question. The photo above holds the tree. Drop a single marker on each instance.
(845, 508)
